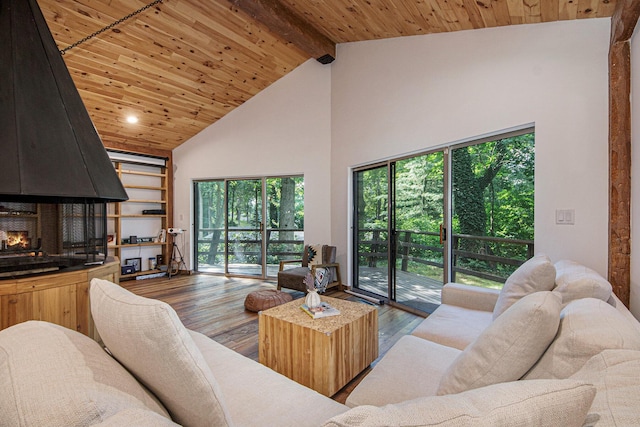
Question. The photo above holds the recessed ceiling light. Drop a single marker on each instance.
(132, 119)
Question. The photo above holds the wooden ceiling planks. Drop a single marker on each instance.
(184, 64)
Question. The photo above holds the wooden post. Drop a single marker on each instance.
(405, 251)
(620, 170)
(623, 23)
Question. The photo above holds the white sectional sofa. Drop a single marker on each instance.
(461, 367)
(550, 322)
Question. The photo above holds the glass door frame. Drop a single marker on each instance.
(390, 164)
(261, 228)
(355, 230)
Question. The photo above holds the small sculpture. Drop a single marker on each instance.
(312, 299)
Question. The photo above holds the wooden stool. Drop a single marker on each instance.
(261, 300)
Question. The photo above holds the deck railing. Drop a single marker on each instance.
(489, 258)
(210, 250)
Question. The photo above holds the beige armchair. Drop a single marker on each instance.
(293, 278)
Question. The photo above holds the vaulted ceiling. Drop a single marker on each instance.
(181, 65)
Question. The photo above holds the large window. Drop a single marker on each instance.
(245, 227)
(462, 213)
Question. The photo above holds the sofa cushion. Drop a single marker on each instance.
(537, 274)
(615, 375)
(453, 326)
(257, 395)
(587, 327)
(508, 348)
(514, 404)
(51, 375)
(147, 337)
(575, 281)
(410, 369)
(470, 296)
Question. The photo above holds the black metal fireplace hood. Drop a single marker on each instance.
(50, 151)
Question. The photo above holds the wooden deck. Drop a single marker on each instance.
(214, 306)
(413, 290)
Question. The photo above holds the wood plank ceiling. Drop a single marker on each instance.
(183, 64)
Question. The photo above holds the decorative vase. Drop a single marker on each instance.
(312, 299)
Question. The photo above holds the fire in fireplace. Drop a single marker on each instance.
(45, 237)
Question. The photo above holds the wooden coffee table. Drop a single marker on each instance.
(322, 354)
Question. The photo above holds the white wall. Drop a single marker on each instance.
(285, 129)
(635, 174)
(384, 98)
(401, 95)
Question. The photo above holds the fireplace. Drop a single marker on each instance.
(37, 238)
(56, 176)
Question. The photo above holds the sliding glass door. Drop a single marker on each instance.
(399, 214)
(372, 230)
(418, 212)
(463, 213)
(210, 232)
(245, 227)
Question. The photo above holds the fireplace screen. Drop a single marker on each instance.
(44, 237)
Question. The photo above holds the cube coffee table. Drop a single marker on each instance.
(322, 354)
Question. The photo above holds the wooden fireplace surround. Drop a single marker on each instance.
(60, 298)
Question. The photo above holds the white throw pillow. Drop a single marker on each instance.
(147, 337)
(514, 404)
(588, 326)
(575, 281)
(508, 348)
(537, 274)
(53, 376)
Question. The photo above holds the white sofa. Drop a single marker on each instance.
(156, 373)
(556, 322)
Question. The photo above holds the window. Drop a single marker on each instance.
(245, 227)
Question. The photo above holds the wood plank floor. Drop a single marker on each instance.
(214, 306)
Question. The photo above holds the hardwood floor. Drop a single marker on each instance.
(214, 306)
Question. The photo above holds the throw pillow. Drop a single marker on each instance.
(323, 275)
(513, 404)
(507, 349)
(588, 326)
(314, 254)
(147, 337)
(575, 281)
(51, 375)
(537, 274)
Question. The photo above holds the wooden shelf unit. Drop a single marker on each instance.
(148, 187)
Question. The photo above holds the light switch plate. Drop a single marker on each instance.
(565, 216)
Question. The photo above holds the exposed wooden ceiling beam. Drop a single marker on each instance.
(291, 27)
(623, 23)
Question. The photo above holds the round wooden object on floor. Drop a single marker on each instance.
(261, 300)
